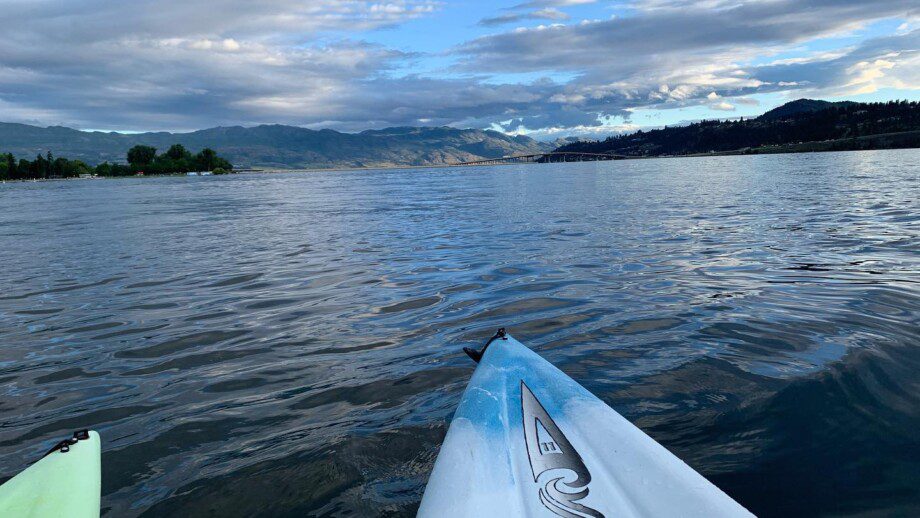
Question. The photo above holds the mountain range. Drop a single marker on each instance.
(277, 146)
(801, 125)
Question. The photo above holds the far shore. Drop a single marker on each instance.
(826, 146)
(769, 150)
(805, 147)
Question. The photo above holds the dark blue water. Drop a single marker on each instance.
(289, 344)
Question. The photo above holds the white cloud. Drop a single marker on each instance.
(889, 62)
(186, 64)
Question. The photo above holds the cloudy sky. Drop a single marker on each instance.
(547, 68)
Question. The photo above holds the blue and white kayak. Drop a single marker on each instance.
(529, 441)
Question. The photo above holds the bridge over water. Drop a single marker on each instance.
(550, 157)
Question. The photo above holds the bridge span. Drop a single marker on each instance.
(545, 158)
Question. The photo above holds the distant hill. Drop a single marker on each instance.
(802, 125)
(279, 146)
(799, 106)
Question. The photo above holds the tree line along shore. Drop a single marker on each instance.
(798, 126)
(141, 161)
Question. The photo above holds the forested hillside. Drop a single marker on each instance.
(846, 124)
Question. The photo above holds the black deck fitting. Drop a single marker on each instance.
(477, 355)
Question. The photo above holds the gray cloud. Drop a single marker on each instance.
(548, 13)
(537, 4)
(170, 64)
(625, 45)
(101, 20)
(672, 54)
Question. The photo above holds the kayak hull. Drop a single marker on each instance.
(527, 440)
(66, 482)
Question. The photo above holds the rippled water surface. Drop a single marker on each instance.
(289, 344)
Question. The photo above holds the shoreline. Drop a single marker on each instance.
(797, 148)
(769, 150)
(736, 152)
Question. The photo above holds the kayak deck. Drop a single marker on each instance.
(527, 440)
(65, 482)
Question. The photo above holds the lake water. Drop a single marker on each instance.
(290, 344)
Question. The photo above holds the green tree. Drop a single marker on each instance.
(178, 152)
(38, 168)
(206, 159)
(45, 166)
(141, 155)
(104, 169)
(25, 169)
(11, 166)
(70, 168)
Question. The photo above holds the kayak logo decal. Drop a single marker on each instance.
(554, 462)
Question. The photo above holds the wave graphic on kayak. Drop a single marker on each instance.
(551, 454)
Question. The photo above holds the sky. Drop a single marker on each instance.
(544, 68)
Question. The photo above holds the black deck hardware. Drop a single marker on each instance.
(64, 446)
(477, 355)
